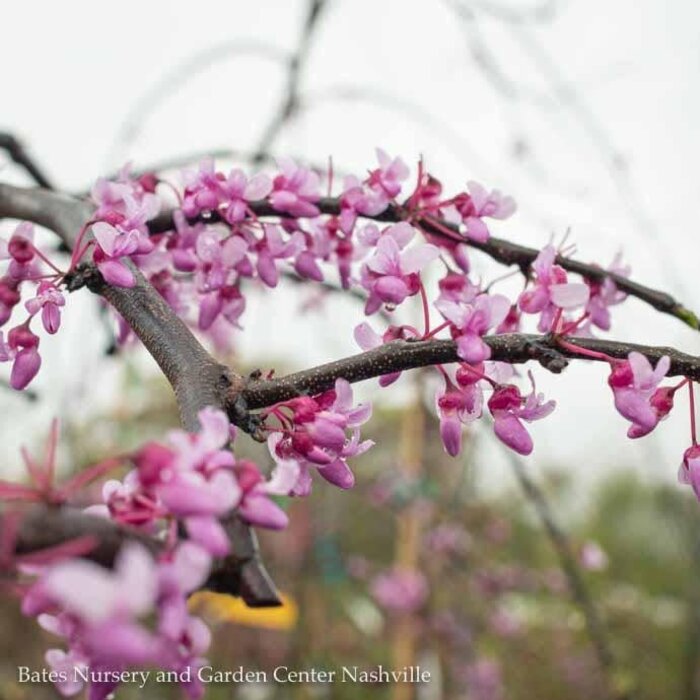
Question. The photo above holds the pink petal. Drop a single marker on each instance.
(106, 236)
(259, 187)
(117, 274)
(307, 267)
(472, 349)
(258, 509)
(635, 408)
(25, 367)
(512, 432)
(415, 259)
(338, 473)
(209, 308)
(570, 295)
(209, 534)
(477, 229)
(391, 290)
(366, 337)
(451, 434)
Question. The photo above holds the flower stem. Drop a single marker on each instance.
(584, 352)
(426, 309)
(693, 431)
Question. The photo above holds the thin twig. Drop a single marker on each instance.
(570, 567)
(19, 154)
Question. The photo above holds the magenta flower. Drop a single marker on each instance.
(509, 408)
(551, 291)
(392, 273)
(471, 321)
(474, 206)
(22, 254)
(457, 406)
(295, 190)
(256, 506)
(113, 244)
(689, 470)
(400, 590)
(634, 383)
(386, 180)
(604, 294)
(271, 248)
(101, 613)
(9, 298)
(319, 439)
(209, 190)
(48, 300)
(22, 349)
(238, 190)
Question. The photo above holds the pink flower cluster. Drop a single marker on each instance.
(196, 479)
(314, 436)
(27, 264)
(107, 617)
(236, 228)
(134, 616)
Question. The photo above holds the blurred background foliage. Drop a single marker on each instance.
(489, 610)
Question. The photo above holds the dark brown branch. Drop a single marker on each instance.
(290, 99)
(42, 527)
(399, 355)
(570, 567)
(19, 154)
(498, 249)
(197, 379)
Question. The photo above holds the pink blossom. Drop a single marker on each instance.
(9, 298)
(48, 300)
(593, 557)
(400, 590)
(471, 321)
(113, 244)
(509, 408)
(387, 178)
(359, 199)
(21, 252)
(22, 349)
(689, 470)
(272, 248)
(457, 406)
(238, 190)
(256, 506)
(480, 203)
(604, 294)
(551, 290)
(319, 437)
(209, 190)
(295, 190)
(634, 383)
(105, 628)
(392, 273)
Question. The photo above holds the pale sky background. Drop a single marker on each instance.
(586, 111)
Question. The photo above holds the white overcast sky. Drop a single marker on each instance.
(586, 111)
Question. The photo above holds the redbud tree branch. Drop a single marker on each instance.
(498, 249)
(399, 355)
(197, 379)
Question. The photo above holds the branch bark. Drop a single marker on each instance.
(498, 249)
(400, 355)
